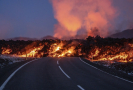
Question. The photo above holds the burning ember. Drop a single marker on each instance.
(95, 49)
(33, 52)
(116, 52)
(58, 50)
(6, 51)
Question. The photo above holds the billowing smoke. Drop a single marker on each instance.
(94, 16)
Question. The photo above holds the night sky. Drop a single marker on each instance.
(36, 18)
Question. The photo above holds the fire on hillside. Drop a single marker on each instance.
(6, 50)
(58, 50)
(94, 49)
(112, 54)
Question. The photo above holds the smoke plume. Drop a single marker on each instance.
(94, 16)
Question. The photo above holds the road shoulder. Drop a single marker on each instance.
(110, 70)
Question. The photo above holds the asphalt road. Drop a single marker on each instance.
(65, 74)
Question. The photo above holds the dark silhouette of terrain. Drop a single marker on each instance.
(32, 39)
(21, 38)
(124, 34)
(49, 37)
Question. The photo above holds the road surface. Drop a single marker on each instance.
(63, 74)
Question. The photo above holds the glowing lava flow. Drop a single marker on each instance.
(112, 54)
(33, 52)
(121, 56)
(6, 51)
(57, 50)
(96, 53)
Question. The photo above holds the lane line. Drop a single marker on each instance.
(57, 62)
(7, 80)
(106, 72)
(80, 87)
(64, 72)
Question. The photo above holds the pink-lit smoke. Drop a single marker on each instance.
(95, 16)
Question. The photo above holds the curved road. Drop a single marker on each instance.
(63, 74)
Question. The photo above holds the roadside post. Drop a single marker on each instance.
(26, 56)
(92, 58)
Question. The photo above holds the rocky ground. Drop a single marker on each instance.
(120, 66)
(6, 60)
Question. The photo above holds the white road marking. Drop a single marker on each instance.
(106, 72)
(7, 80)
(57, 62)
(64, 72)
(80, 87)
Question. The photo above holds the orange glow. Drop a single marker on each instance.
(96, 53)
(57, 50)
(131, 45)
(33, 52)
(6, 51)
(121, 56)
(72, 15)
(109, 53)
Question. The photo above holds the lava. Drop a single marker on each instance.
(109, 53)
(58, 50)
(93, 49)
(33, 52)
(6, 51)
